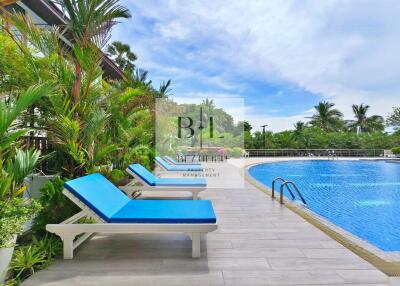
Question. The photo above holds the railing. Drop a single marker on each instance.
(332, 156)
(40, 143)
(287, 184)
(315, 152)
(282, 180)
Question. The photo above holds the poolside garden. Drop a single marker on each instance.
(59, 93)
(60, 116)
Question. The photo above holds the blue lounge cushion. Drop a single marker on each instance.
(165, 211)
(143, 173)
(98, 194)
(181, 163)
(107, 201)
(181, 182)
(177, 168)
(152, 180)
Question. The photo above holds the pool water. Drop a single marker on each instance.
(362, 197)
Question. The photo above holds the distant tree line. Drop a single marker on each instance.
(328, 129)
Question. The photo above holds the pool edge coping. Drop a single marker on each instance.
(387, 262)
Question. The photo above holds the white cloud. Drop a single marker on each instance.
(173, 30)
(276, 123)
(347, 51)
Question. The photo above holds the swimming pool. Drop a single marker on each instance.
(361, 197)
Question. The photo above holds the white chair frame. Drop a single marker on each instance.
(165, 170)
(68, 231)
(145, 187)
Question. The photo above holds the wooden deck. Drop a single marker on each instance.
(258, 243)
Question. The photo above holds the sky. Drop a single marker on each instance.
(281, 56)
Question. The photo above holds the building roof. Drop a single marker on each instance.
(52, 15)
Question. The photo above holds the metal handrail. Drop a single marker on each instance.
(283, 181)
(285, 184)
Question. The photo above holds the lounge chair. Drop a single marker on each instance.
(168, 167)
(181, 163)
(150, 182)
(116, 213)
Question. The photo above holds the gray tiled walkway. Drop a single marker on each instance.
(258, 243)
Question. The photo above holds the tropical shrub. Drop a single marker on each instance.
(50, 244)
(394, 118)
(235, 152)
(140, 154)
(116, 176)
(14, 213)
(396, 150)
(27, 259)
(55, 206)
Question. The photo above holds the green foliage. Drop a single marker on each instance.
(326, 117)
(14, 213)
(394, 118)
(315, 138)
(123, 56)
(93, 20)
(115, 175)
(363, 123)
(50, 244)
(55, 206)
(14, 74)
(235, 152)
(23, 164)
(27, 259)
(10, 111)
(140, 154)
(38, 254)
(396, 150)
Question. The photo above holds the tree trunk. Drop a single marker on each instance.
(78, 82)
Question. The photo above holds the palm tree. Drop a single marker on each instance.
(326, 117)
(90, 22)
(12, 110)
(394, 118)
(299, 126)
(121, 53)
(363, 123)
(14, 168)
(164, 90)
(140, 79)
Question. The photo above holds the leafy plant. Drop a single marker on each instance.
(23, 164)
(55, 206)
(364, 123)
(35, 255)
(27, 259)
(13, 216)
(10, 111)
(140, 154)
(116, 175)
(396, 150)
(394, 118)
(326, 117)
(51, 245)
(123, 56)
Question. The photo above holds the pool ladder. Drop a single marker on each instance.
(286, 184)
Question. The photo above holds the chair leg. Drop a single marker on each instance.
(68, 245)
(195, 196)
(196, 245)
